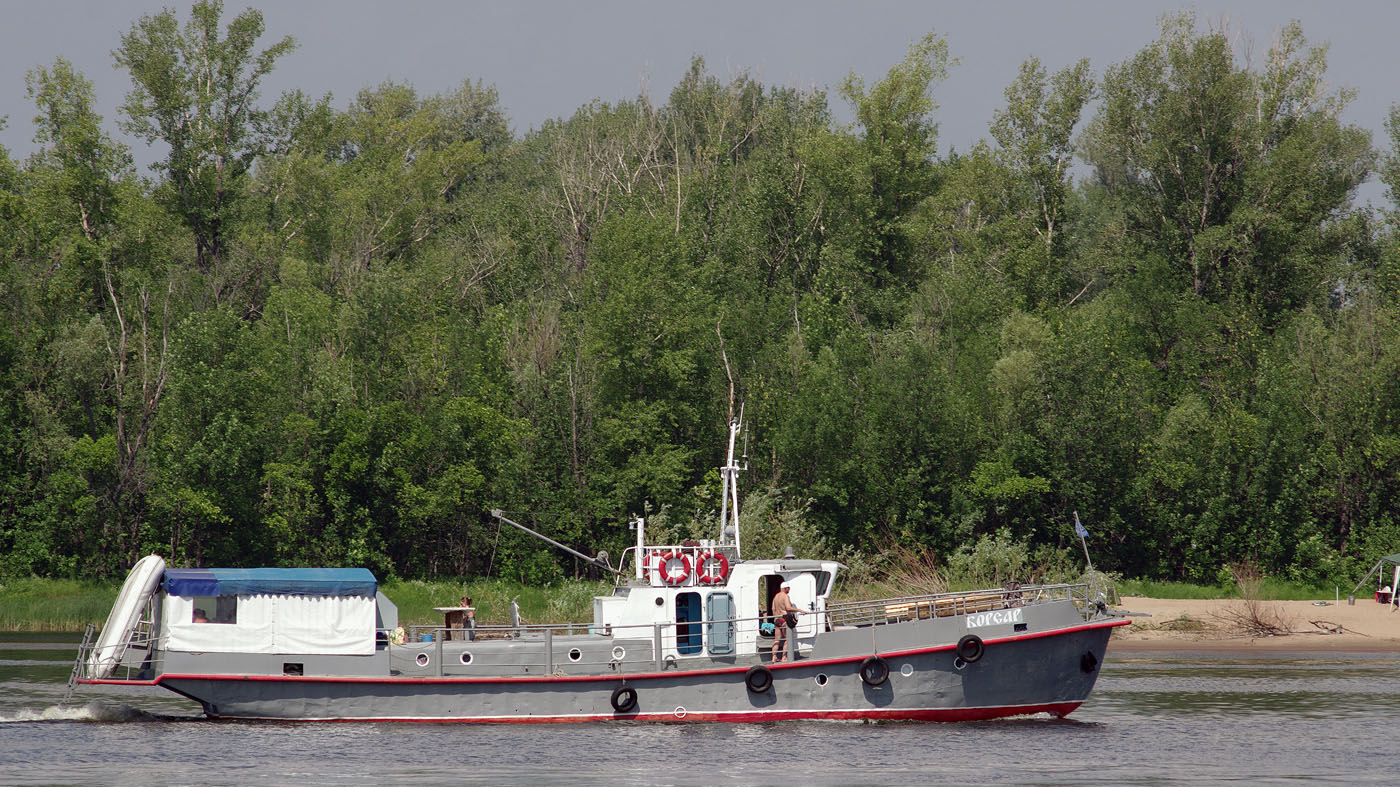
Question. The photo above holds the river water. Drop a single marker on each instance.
(1167, 718)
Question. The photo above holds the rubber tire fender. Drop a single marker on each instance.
(624, 699)
(874, 671)
(759, 679)
(970, 648)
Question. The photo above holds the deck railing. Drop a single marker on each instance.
(142, 638)
(658, 646)
(938, 605)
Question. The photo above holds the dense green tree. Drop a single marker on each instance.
(894, 161)
(1233, 176)
(343, 333)
(197, 93)
(1034, 133)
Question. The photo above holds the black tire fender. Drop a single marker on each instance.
(874, 671)
(758, 679)
(624, 699)
(970, 648)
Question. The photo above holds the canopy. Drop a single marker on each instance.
(269, 581)
(1393, 559)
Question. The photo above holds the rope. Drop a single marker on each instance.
(492, 562)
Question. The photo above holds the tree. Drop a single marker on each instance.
(1035, 135)
(1234, 176)
(197, 93)
(87, 160)
(897, 145)
(78, 172)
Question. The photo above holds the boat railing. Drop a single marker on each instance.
(142, 638)
(658, 646)
(899, 609)
(634, 647)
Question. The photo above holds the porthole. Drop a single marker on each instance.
(906, 670)
(821, 679)
(660, 602)
(422, 659)
(575, 654)
(619, 652)
(465, 658)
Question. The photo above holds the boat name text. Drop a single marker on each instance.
(999, 617)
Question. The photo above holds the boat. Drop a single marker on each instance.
(685, 635)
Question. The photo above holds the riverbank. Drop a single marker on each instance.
(1219, 624)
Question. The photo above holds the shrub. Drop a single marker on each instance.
(994, 559)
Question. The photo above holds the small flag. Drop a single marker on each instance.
(1078, 528)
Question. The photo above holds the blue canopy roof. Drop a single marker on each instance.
(269, 581)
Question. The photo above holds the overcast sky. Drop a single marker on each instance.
(548, 58)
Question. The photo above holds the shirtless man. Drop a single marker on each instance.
(784, 616)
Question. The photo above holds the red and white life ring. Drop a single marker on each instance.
(677, 577)
(703, 571)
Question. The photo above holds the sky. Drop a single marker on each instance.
(546, 59)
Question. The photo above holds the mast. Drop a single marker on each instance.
(729, 491)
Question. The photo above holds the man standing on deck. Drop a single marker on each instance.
(784, 618)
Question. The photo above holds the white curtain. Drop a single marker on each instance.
(315, 625)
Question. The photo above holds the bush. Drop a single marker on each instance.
(993, 560)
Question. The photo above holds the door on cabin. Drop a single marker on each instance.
(687, 623)
(804, 596)
(719, 626)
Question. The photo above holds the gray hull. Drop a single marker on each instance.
(1049, 672)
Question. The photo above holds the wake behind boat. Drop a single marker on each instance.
(686, 635)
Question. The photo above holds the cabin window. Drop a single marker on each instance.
(719, 611)
(823, 582)
(214, 609)
(687, 623)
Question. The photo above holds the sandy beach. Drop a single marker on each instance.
(1190, 624)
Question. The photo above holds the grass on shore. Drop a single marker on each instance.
(31, 604)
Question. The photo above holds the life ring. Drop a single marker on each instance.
(759, 679)
(678, 577)
(874, 671)
(970, 648)
(624, 699)
(704, 576)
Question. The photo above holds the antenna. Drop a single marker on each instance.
(729, 492)
(746, 439)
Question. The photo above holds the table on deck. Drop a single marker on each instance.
(461, 620)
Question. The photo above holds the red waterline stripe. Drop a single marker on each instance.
(804, 663)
